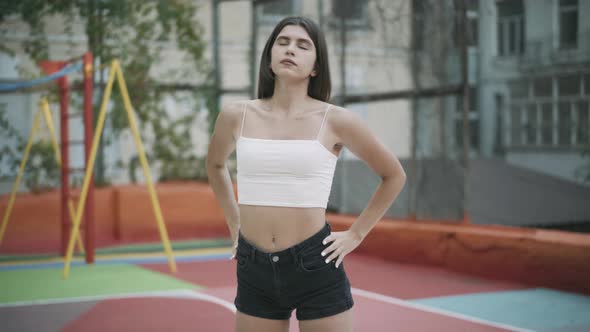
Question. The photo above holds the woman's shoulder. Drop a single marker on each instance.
(238, 106)
(341, 118)
(234, 106)
(340, 113)
(233, 110)
(230, 114)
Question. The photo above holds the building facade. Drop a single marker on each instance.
(534, 84)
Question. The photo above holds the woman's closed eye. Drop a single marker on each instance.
(303, 47)
(285, 42)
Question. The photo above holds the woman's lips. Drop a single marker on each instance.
(290, 62)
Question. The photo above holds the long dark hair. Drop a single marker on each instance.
(320, 85)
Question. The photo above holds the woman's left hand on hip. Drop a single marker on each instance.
(342, 244)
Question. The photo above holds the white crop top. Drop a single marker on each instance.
(284, 172)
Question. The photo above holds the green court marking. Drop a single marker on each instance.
(90, 280)
(12, 258)
(158, 247)
(132, 248)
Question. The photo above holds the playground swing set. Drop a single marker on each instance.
(58, 70)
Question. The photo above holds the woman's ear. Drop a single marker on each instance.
(314, 72)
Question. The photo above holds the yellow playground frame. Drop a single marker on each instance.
(115, 70)
(76, 214)
(43, 108)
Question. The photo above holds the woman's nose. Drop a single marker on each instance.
(291, 48)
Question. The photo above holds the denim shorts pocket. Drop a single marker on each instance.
(242, 260)
(313, 263)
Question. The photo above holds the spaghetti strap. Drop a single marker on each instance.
(323, 120)
(243, 117)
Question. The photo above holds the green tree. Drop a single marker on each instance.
(137, 33)
(41, 170)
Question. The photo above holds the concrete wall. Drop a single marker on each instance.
(499, 193)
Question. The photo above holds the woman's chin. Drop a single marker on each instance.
(289, 76)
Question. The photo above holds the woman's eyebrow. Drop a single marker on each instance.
(299, 39)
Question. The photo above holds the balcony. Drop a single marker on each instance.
(546, 52)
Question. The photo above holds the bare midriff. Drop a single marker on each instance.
(273, 229)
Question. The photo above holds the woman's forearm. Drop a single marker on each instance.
(384, 196)
(220, 182)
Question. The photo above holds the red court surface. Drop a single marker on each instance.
(403, 281)
(153, 314)
(384, 293)
(388, 297)
(379, 291)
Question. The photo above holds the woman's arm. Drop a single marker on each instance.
(221, 145)
(354, 134)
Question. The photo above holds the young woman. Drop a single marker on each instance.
(287, 144)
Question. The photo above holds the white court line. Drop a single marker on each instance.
(403, 303)
(190, 294)
(175, 294)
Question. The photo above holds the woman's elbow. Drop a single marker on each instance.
(400, 175)
(397, 174)
(212, 164)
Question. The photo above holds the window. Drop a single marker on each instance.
(530, 124)
(277, 7)
(518, 89)
(542, 87)
(554, 113)
(583, 123)
(471, 26)
(515, 125)
(510, 27)
(547, 124)
(354, 13)
(348, 9)
(473, 118)
(569, 85)
(418, 16)
(472, 39)
(568, 23)
(499, 134)
(564, 119)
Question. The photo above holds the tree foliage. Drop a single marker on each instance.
(141, 35)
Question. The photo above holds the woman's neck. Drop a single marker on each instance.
(289, 98)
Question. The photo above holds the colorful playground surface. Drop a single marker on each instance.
(132, 289)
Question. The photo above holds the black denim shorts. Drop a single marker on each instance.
(272, 285)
